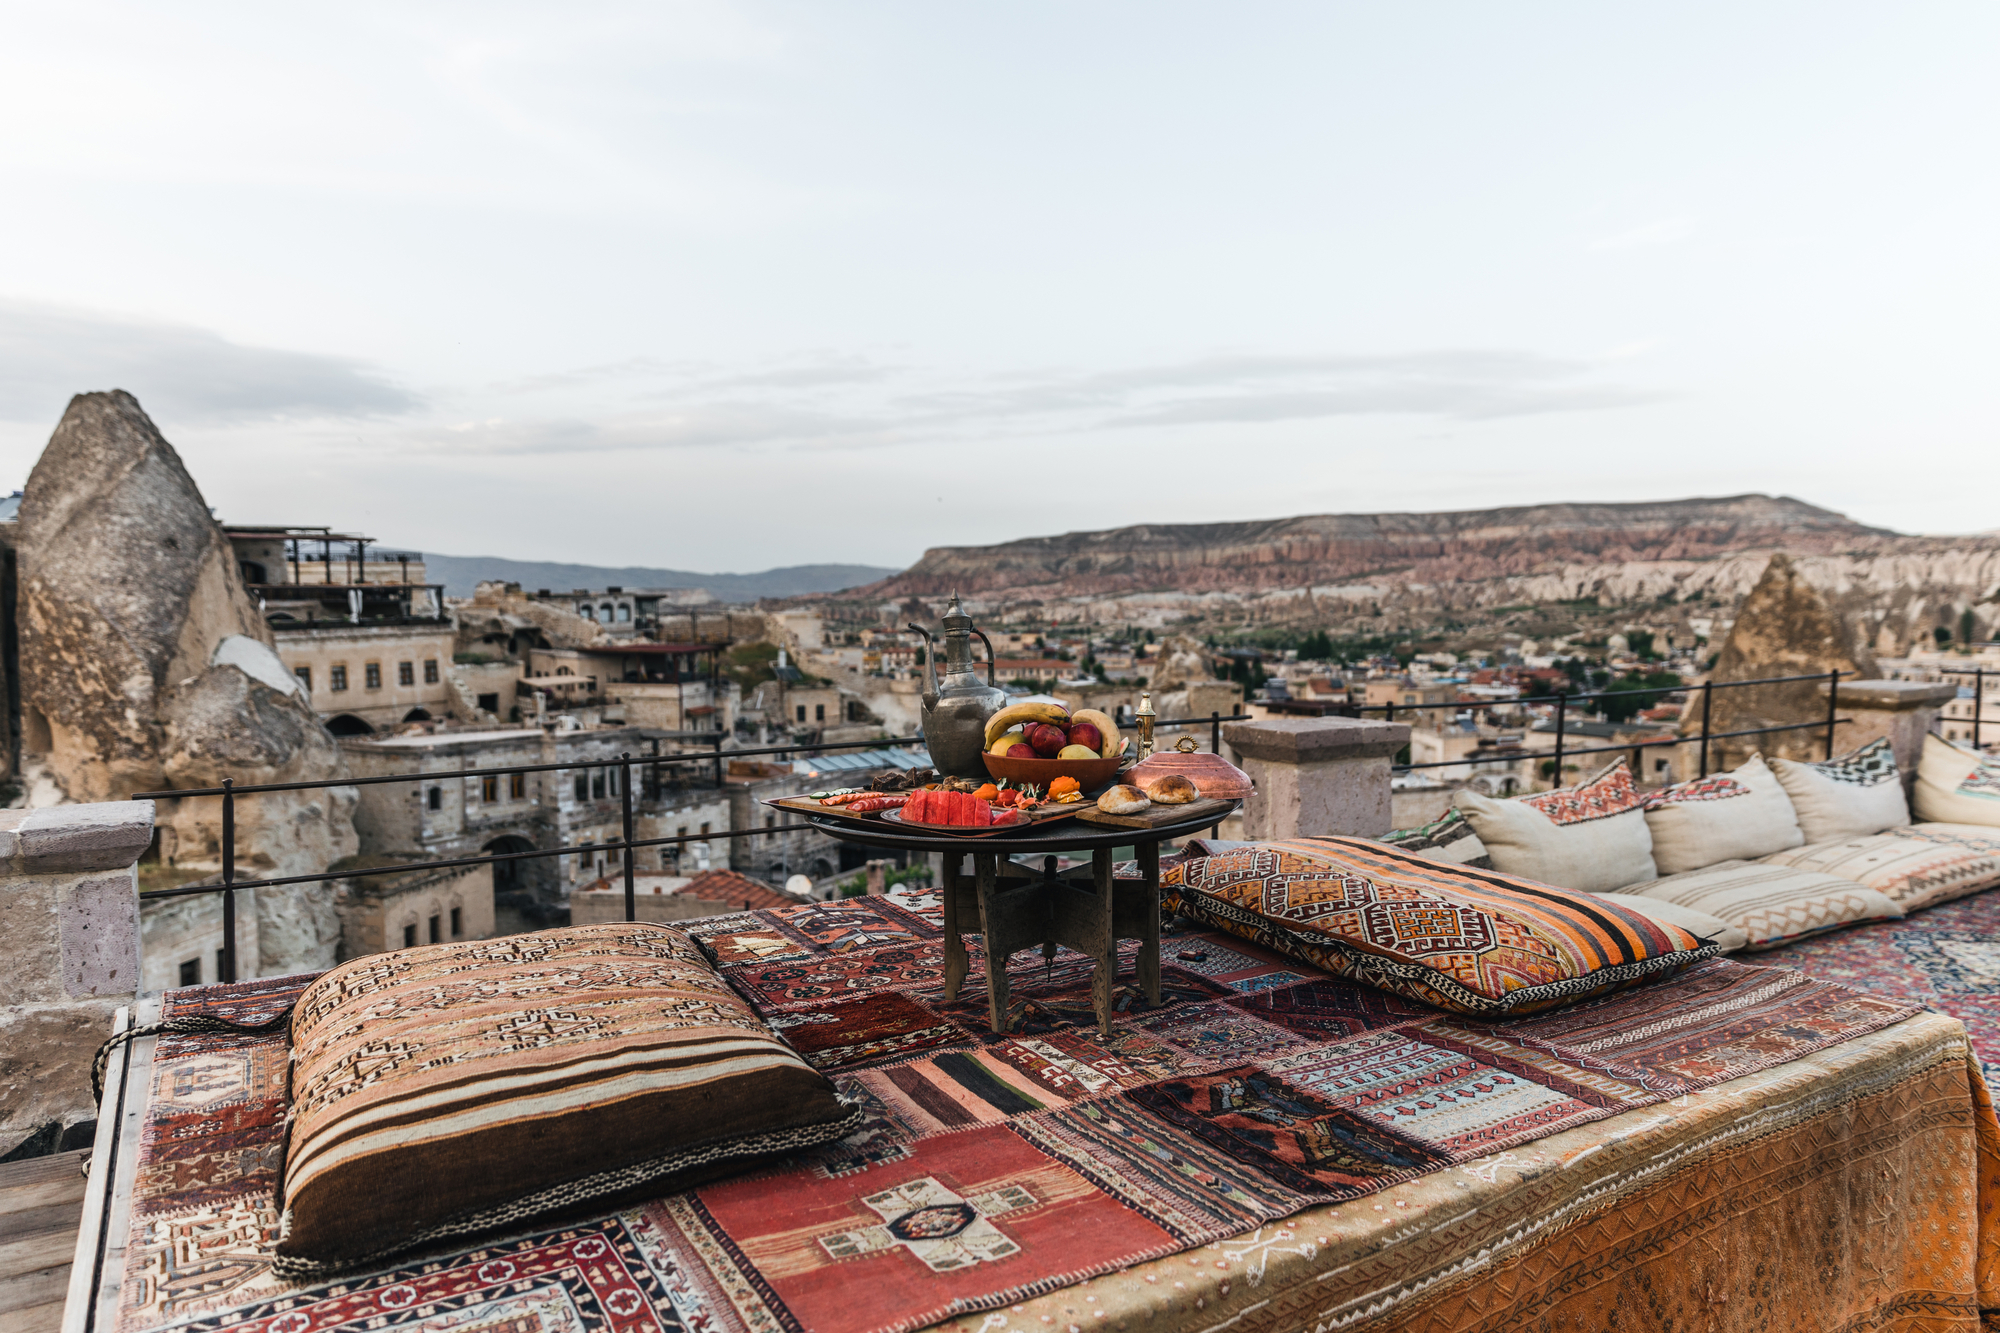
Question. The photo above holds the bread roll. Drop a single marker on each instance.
(1173, 789)
(1123, 800)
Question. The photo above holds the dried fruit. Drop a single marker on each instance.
(989, 792)
(1063, 786)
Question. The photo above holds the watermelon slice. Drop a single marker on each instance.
(982, 814)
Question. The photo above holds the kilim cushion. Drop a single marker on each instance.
(1447, 839)
(446, 1090)
(1730, 937)
(1469, 940)
(1956, 785)
(1592, 836)
(1772, 904)
(1735, 816)
(1849, 797)
(1918, 865)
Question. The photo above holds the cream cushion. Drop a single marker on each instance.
(1849, 797)
(1957, 786)
(1730, 937)
(1591, 837)
(1735, 816)
(1772, 905)
(1918, 865)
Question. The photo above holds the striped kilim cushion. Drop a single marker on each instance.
(1470, 940)
(446, 1090)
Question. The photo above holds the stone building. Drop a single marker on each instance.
(672, 897)
(367, 678)
(383, 912)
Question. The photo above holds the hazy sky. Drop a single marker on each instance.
(733, 286)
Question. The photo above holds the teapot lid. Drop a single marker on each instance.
(955, 619)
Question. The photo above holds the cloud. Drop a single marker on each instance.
(1666, 231)
(177, 371)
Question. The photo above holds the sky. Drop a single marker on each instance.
(732, 286)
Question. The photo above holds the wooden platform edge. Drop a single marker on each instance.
(1159, 815)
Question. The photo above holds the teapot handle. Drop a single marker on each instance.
(989, 655)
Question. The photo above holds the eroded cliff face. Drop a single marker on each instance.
(145, 665)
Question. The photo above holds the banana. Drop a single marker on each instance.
(1014, 714)
(1104, 724)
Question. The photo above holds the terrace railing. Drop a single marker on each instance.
(1979, 675)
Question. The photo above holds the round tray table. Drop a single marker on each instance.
(1015, 907)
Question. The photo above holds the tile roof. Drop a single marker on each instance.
(738, 891)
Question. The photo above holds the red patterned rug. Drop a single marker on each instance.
(990, 1168)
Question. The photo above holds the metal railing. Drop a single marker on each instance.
(625, 763)
(1978, 675)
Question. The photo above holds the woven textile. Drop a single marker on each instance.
(1772, 904)
(1851, 796)
(1447, 838)
(1957, 785)
(441, 1091)
(1593, 837)
(1917, 865)
(1737, 816)
(987, 1169)
(1473, 941)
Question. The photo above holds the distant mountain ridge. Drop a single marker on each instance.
(1331, 549)
(460, 573)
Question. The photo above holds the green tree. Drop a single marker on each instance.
(1641, 642)
(1316, 647)
(1965, 629)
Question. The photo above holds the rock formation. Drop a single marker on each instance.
(144, 665)
(1787, 626)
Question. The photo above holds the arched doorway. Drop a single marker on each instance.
(509, 876)
(346, 724)
(417, 715)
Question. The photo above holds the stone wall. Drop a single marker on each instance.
(69, 954)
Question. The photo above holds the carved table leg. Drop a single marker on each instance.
(1103, 941)
(1149, 922)
(987, 869)
(956, 961)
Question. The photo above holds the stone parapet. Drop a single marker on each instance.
(1316, 775)
(69, 952)
(1902, 710)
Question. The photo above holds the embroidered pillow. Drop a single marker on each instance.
(1735, 816)
(1730, 937)
(450, 1089)
(1849, 797)
(1772, 904)
(1447, 839)
(1920, 865)
(1472, 941)
(1956, 785)
(1591, 837)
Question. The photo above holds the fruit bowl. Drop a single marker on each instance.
(1090, 774)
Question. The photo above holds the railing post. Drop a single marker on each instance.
(718, 761)
(1978, 701)
(1707, 697)
(1562, 706)
(228, 878)
(1215, 731)
(1832, 706)
(625, 791)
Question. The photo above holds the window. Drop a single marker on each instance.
(437, 798)
(371, 675)
(624, 613)
(802, 707)
(704, 830)
(582, 787)
(457, 922)
(437, 929)
(597, 784)
(607, 613)
(611, 780)
(770, 821)
(305, 675)
(489, 789)
(406, 673)
(819, 712)
(336, 679)
(586, 612)
(221, 964)
(430, 671)
(191, 972)
(489, 703)
(409, 937)
(517, 786)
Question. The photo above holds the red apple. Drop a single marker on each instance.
(1088, 736)
(1020, 752)
(1046, 740)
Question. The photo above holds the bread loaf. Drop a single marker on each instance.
(1173, 789)
(1123, 800)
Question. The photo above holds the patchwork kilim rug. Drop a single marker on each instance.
(991, 1168)
(1945, 959)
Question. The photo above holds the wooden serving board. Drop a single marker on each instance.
(1160, 814)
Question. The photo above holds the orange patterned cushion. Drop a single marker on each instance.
(1469, 940)
(447, 1090)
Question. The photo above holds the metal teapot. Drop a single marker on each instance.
(956, 708)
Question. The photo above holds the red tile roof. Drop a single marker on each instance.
(734, 890)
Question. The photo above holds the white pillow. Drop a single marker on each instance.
(1849, 797)
(1956, 785)
(1591, 837)
(1730, 937)
(1735, 816)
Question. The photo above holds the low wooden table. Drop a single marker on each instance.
(1018, 908)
